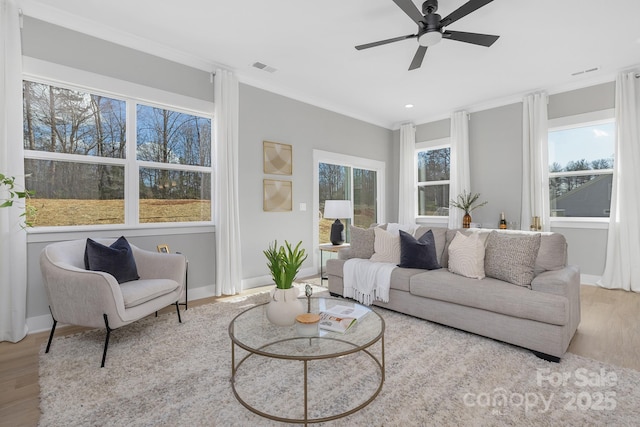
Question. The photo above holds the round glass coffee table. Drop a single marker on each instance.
(331, 377)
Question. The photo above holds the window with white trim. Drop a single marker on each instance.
(433, 164)
(581, 157)
(93, 158)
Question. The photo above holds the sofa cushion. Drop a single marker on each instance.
(116, 259)
(439, 237)
(141, 291)
(394, 228)
(491, 295)
(552, 254)
(511, 257)
(418, 253)
(386, 247)
(466, 256)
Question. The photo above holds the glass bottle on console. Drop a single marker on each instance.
(503, 222)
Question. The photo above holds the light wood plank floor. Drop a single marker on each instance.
(609, 331)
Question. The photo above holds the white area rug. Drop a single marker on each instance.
(161, 373)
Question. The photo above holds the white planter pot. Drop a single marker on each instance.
(284, 306)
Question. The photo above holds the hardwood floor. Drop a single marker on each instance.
(609, 331)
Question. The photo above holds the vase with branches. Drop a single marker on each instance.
(468, 202)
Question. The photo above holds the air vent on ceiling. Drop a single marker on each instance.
(588, 70)
(264, 67)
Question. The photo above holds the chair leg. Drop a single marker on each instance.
(178, 309)
(106, 340)
(53, 329)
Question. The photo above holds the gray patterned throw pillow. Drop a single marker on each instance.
(362, 241)
(511, 257)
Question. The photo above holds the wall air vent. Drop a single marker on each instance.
(264, 67)
(588, 70)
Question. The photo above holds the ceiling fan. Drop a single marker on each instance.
(431, 27)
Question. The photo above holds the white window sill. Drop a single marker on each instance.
(54, 234)
(586, 223)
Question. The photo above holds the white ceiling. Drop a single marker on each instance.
(311, 44)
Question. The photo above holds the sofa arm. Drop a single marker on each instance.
(156, 265)
(563, 282)
(80, 297)
(345, 253)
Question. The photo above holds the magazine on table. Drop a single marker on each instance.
(340, 318)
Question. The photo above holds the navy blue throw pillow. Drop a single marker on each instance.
(116, 259)
(418, 253)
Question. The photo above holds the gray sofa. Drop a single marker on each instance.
(542, 317)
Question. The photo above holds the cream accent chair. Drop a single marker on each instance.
(95, 299)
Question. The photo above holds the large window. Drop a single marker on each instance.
(348, 178)
(581, 169)
(433, 165)
(94, 159)
(341, 182)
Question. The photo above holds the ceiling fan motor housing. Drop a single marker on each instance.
(429, 7)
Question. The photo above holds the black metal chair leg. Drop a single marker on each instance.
(53, 329)
(106, 340)
(178, 308)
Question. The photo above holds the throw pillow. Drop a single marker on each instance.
(394, 228)
(116, 259)
(361, 242)
(386, 247)
(511, 257)
(466, 255)
(418, 253)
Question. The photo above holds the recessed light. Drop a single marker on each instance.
(408, 106)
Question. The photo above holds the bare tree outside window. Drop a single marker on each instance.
(340, 182)
(433, 172)
(76, 152)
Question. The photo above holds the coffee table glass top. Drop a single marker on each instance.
(252, 331)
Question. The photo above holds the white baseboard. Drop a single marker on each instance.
(589, 279)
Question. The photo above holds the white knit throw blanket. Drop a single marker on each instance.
(367, 281)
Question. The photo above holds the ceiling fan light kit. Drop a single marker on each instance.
(431, 27)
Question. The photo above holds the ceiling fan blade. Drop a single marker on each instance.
(410, 9)
(418, 57)
(381, 42)
(473, 38)
(462, 11)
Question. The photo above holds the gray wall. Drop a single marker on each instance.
(267, 116)
(495, 149)
(59, 45)
(263, 116)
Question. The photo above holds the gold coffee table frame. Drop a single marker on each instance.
(358, 342)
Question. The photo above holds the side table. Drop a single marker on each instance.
(328, 247)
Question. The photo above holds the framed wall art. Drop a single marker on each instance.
(277, 196)
(278, 158)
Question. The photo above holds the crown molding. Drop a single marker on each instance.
(48, 13)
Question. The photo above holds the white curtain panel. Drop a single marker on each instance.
(460, 179)
(622, 266)
(407, 191)
(13, 239)
(535, 161)
(226, 208)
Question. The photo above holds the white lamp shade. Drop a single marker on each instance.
(337, 209)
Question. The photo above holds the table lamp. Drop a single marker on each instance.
(337, 209)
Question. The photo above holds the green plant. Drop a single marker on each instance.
(466, 202)
(284, 263)
(8, 183)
